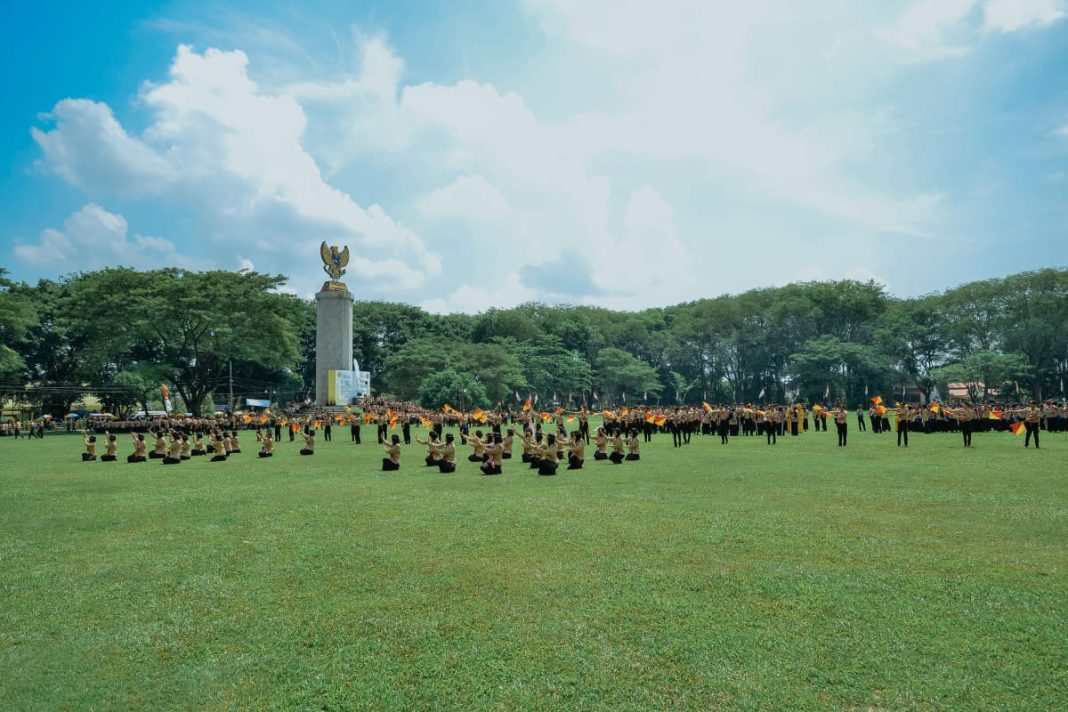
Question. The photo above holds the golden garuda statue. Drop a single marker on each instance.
(334, 262)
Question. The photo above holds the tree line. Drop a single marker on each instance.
(118, 333)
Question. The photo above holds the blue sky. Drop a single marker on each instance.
(477, 154)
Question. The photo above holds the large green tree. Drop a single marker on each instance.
(195, 324)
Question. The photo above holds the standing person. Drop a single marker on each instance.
(383, 427)
(1031, 417)
(840, 424)
(391, 461)
(771, 424)
(965, 415)
(876, 421)
(860, 419)
(675, 426)
(327, 431)
(277, 429)
(902, 417)
(354, 428)
(406, 430)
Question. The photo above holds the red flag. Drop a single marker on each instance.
(1017, 428)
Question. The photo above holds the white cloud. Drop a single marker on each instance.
(931, 29)
(92, 238)
(220, 145)
(937, 29)
(690, 153)
(1013, 15)
(89, 148)
(469, 197)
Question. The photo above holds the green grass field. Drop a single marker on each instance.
(802, 576)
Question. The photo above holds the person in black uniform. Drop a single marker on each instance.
(840, 424)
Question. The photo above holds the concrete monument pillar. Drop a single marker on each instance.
(333, 322)
(333, 338)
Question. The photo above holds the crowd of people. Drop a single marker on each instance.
(547, 439)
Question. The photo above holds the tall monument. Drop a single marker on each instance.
(333, 323)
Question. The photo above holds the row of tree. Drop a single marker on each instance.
(119, 333)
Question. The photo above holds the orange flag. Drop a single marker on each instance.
(246, 418)
(935, 408)
(660, 420)
(1018, 428)
(877, 400)
(425, 422)
(708, 408)
(649, 418)
(995, 415)
(393, 422)
(526, 405)
(881, 410)
(606, 413)
(318, 424)
(546, 416)
(625, 411)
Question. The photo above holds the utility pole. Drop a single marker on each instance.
(231, 362)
